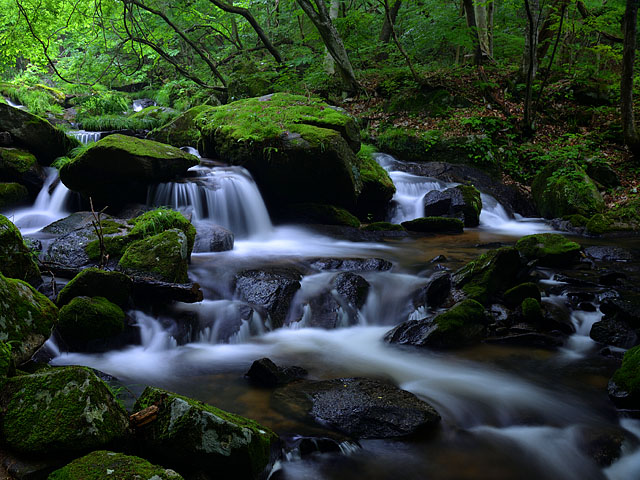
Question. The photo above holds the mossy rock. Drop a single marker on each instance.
(299, 150)
(489, 274)
(163, 256)
(118, 169)
(599, 224)
(16, 260)
(193, 436)
(565, 189)
(472, 204)
(12, 194)
(182, 130)
(516, 295)
(322, 214)
(160, 220)
(103, 464)
(377, 187)
(382, 227)
(531, 310)
(85, 319)
(624, 387)
(26, 318)
(60, 411)
(576, 220)
(91, 282)
(154, 112)
(6, 362)
(15, 162)
(35, 134)
(434, 225)
(549, 249)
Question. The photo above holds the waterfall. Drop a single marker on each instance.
(14, 105)
(227, 196)
(50, 205)
(85, 136)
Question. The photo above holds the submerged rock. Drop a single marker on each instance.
(92, 282)
(26, 318)
(60, 411)
(103, 464)
(203, 440)
(265, 373)
(16, 260)
(462, 202)
(358, 407)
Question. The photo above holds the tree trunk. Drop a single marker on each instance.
(473, 26)
(490, 11)
(482, 27)
(385, 33)
(329, 64)
(332, 41)
(629, 22)
(530, 60)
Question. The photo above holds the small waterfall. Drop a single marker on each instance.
(141, 104)
(50, 205)
(14, 105)
(85, 136)
(227, 196)
(495, 218)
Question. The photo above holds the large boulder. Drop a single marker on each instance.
(60, 411)
(549, 249)
(118, 169)
(163, 257)
(104, 464)
(434, 225)
(35, 134)
(358, 407)
(267, 374)
(199, 438)
(92, 282)
(26, 318)
(20, 166)
(16, 260)
(624, 386)
(462, 202)
(565, 189)
(182, 130)
(84, 320)
(462, 325)
(12, 194)
(270, 290)
(299, 150)
(377, 187)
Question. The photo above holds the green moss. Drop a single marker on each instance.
(163, 256)
(599, 224)
(16, 161)
(434, 225)
(117, 465)
(383, 227)
(84, 319)
(92, 282)
(473, 204)
(60, 410)
(182, 130)
(576, 220)
(16, 260)
(114, 247)
(550, 249)
(516, 295)
(5, 359)
(137, 147)
(377, 186)
(463, 324)
(322, 214)
(159, 220)
(531, 310)
(12, 194)
(628, 375)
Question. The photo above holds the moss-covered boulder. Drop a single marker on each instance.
(26, 318)
(60, 411)
(462, 202)
(160, 220)
(489, 274)
(599, 224)
(5, 360)
(549, 249)
(163, 256)
(182, 130)
(462, 325)
(516, 295)
(12, 194)
(118, 169)
(35, 134)
(299, 150)
(16, 260)
(624, 386)
(565, 189)
(195, 437)
(377, 187)
(86, 319)
(382, 227)
(92, 282)
(321, 214)
(103, 464)
(17, 165)
(434, 225)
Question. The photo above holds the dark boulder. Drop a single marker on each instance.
(434, 293)
(212, 238)
(462, 202)
(624, 386)
(351, 264)
(434, 225)
(16, 260)
(265, 373)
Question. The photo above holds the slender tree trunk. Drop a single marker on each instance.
(329, 64)
(491, 7)
(482, 27)
(332, 40)
(530, 63)
(473, 26)
(629, 21)
(385, 33)
(404, 53)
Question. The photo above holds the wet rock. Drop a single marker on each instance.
(434, 293)
(624, 386)
(321, 214)
(607, 253)
(181, 131)
(16, 261)
(200, 439)
(612, 331)
(213, 238)
(271, 290)
(116, 465)
(26, 318)
(603, 174)
(60, 411)
(462, 202)
(626, 307)
(549, 249)
(516, 295)
(265, 373)
(612, 278)
(93, 282)
(358, 407)
(602, 444)
(5, 139)
(149, 290)
(434, 225)
(67, 255)
(352, 288)
(73, 222)
(351, 264)
(463, 324)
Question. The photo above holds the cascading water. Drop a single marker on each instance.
(14, 105)
(227, 196)
(50, 205)
(85, 137)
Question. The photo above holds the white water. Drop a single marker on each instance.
(137, 105)
(47, 208)
(85, 136)
(14, 105)
(628, 466)
(227, 196)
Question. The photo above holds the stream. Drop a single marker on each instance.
(507, 412)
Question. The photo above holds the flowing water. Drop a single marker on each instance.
(508, 413)
(85, 137)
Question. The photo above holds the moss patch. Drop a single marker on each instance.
(159, 220)
(181, 131)
(464, 324)
(12, 194)
(599, 224)
(550, 249)
(16, 260)
(322, 214)
(383, 227)
(531, 310)
(434, 225)
(91, 282)
(516, 295)
(15, 161)
(84, 319)
(628, 375)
